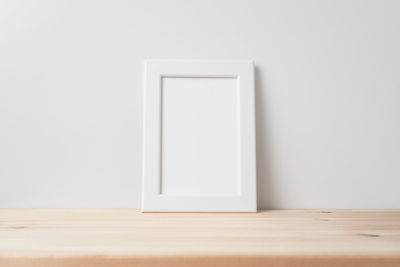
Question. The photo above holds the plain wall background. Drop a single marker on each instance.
(327, 81)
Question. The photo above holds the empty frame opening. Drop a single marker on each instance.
(200, 136)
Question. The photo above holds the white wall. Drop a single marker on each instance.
(328, 95)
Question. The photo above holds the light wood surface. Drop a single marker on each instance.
(46, 237)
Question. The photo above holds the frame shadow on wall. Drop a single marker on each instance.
(266, 196)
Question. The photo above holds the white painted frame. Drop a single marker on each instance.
(152, 199)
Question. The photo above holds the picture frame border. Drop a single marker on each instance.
(152, 199)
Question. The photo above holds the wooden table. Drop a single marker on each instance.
(60, 237)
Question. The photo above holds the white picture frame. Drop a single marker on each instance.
(199, 150)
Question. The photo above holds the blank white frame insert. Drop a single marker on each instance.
(199, 141)
(199, 136)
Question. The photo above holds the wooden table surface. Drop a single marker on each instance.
(123, 237)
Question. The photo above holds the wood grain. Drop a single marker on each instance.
(45, 237)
